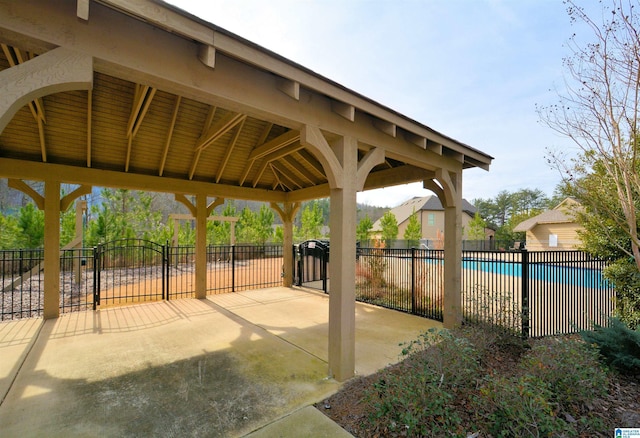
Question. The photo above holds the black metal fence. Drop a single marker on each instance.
(131, 270)
(533, 294)
(406, 280)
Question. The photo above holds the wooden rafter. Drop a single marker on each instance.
(249, 165)
(207, 124)
(312, 161)
(172, 125)
(279, 142)
(141, 102)
(273, 156)
(279, 182)
(228, 152)
(89, 125)
(220, 128)
(284, 175)
(298, 169)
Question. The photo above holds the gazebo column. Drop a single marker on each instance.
(201, 246)
(287, 213)
(200, 211)
(449, 190)
(51, 249)
(346, 176)
(342, 268)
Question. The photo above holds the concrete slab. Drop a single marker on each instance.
(224, 366)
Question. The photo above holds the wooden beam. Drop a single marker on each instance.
(25, 188)
(344, 110)
(289, 87)
(82, 9)
(89, 125)
(285, 175)
(312, 161)
(281, 141)
(386, 127)
(69, 198)
(416, 139)
(207, 55)
(36, 171)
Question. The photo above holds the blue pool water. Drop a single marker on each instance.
(576, 276)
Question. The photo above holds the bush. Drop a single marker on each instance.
(618, 344)
(416, 399)
(570, 368)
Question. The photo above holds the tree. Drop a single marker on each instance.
(413, 232)
(311, 222)
(264, 224)
(363, 230)
(599, 113)
(476, 228)
(31, 226)
(508, 209)
(389, 226)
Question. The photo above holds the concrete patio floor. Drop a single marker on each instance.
(240, 364)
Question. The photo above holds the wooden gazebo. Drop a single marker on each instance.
(138, 94)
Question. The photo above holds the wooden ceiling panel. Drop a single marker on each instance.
(21, 136)
(66, 127)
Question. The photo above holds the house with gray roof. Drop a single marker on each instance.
(554, 229)
(431, 217)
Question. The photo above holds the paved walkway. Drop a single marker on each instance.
(242, 364)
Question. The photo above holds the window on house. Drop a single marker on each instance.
(431, 219)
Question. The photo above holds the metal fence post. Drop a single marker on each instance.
(96, 278)
(413, 281)
(524, 260)
(233, 268)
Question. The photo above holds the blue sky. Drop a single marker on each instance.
(472, 69)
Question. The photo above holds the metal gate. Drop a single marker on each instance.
(311, 264)
(130, 270)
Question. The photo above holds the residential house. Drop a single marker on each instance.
(431, 217)
(554, 229)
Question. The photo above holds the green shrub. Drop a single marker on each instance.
(518, 406)
(618, 345)
(570, 369)
(415, 399)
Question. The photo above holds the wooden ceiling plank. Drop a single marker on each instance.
(172, 126)
(281, 141)
(227, 154)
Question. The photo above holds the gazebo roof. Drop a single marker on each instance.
(170, 102)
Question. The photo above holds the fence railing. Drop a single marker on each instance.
(131, 270)
(534, 294)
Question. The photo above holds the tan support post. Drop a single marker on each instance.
(342, 222)
(452, 203)
(287, 213)
(201, 246)
(51, 249)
